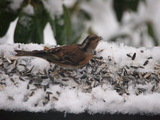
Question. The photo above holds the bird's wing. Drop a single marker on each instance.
(67, 54)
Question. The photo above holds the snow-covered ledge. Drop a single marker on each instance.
(119, 79)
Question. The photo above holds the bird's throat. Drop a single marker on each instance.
(90, 51)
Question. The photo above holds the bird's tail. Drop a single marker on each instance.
(36, 53)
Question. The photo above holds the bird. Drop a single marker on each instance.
(68, 56)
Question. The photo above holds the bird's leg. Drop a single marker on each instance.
(62, 72)
(100, 50)
(46, 48)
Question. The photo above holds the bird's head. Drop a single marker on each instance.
(90, 43)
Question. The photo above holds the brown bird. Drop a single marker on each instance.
(69, 56)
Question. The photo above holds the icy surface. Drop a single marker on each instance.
(119, 79)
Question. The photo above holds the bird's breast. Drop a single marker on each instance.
(86, 59)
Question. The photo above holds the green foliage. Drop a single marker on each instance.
(6, 16)
(65, 30)
(30, 27)
(62, 27)
(68, 27)
(122, 5)
(152, 33)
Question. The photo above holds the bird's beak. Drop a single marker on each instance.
(100, 38)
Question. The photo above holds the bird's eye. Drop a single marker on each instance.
(93, 38)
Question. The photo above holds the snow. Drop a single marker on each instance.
(15, 4)
(122, 59)
(54, 7)
(69, 3)
(103, 23)
(21, 93)
(8, 38)
(134, 24)
(29, 10)
(48, 35)
(153, 9)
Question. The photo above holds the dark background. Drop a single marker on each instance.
(52, 115)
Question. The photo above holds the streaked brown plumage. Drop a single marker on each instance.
(69, 56)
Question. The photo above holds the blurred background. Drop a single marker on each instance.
(132, 22)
